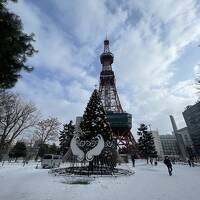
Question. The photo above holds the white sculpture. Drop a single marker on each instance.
(76, 150)
(91, 153)
(96, 150)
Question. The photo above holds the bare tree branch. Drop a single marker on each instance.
(47, 130)
(16, 116)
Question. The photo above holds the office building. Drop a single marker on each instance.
(170, 146)
(192, 119)
(157, 143)
(179, 139)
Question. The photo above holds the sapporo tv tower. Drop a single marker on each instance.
(120, 121)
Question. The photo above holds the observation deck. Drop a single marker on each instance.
(119, 120)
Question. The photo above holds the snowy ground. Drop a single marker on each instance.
(148, 183)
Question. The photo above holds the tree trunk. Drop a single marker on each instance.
(1, 156)
(2, 147)
(1, 150)
(147, 160)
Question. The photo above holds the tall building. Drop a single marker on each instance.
(170, 146)
(157, 143)
(192, 119)
(179, 139)
(186, 137)
(79, 119)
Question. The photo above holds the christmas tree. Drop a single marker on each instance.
(65, 137)
(146, 143)
(94, 120)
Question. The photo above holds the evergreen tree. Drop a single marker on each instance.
(146, 143)
(94, 123)
(43, 149)
(53, 149)
(94, 119)
(65, 137)
(48, 149)
(19, 150)
(15, 47)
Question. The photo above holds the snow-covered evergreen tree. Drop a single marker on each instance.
(65, 137)
(94, 119)
(146, 143)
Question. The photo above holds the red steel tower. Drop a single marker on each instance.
(120, 121)
(107, 89)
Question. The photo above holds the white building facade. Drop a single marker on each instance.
(157, 143)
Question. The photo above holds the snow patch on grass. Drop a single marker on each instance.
(78, 180)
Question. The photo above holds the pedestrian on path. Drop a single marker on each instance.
(192, 163)
(189, 163)
(155, 162)
(151, 161)
(133, 160)
(168, 163)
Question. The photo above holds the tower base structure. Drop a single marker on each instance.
(125, 141)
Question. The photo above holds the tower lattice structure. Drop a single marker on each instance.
(120, 121)
(107, 89)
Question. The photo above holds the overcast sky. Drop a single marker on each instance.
(155, 44)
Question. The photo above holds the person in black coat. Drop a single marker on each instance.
(189, 162)
(168, 163)
(133, 160)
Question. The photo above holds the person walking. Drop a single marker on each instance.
(192, 163)
(151, 161)
(133, 160)
(189, 163)
(168, 163)
(155, 162)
